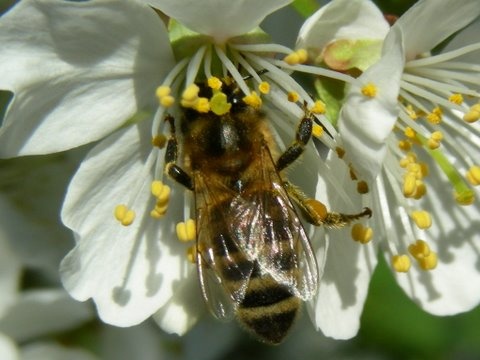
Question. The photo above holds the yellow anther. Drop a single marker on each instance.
(411, 112)
(464, 198)
(405, 145)
(473, 114)
(352, 173)
(219, 104)
(253, 100)
(456, 99)
(473, 175)
(190, 94)
(424, 170)
(401, 263)
(369, 90)
(160, 190)
(264, 87)
(362, 234)
(420, 190)
(124, 215)
(409, 185)
(192, 254)
(433, 144)
(186, 230)
(164, 97)
(317, 209)
(202, 105)
(362, 187)
(293, 96)
(318, 107)
(410, 133)
(317, 130)
(158, 212)
(429, 262)
(340, 152)
(159, 140)
(415, 169)
(214, 83)
(419, 249)
(163, 91)
(435, 117)
(422, 219)
(297, 57)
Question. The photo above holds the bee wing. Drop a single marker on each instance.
(272, 233)
(223, 270)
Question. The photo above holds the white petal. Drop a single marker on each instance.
(8, 349)
(40, 312)
(349, 267)
(343, 19)
(451, 287)
(129, 271)
(365, 123)
(428, 23)
(220, 19)
(78, 70)
(53, 351)
(184, 308)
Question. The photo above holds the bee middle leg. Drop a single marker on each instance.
(303, 135)
(171, 155)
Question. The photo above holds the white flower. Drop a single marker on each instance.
(88, 71)
(410, 133)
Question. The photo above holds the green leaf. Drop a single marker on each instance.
(305, 7)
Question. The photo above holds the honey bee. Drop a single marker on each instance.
(254, 258)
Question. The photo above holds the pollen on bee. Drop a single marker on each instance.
(299, 56)
(264, 87)
(186, 231)
(362, 234)
(422, 219)
(317, 208)
(159, 140)
(369, 90)
(124, 215)
(401, 263)
(253, 100)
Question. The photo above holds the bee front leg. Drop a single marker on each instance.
(171, 155)
(303, 135)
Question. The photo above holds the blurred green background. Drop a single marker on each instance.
(392, 326)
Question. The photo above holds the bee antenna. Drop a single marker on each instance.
(261, 72)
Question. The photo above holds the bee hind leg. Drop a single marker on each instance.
(316, 213)
(171, 155)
